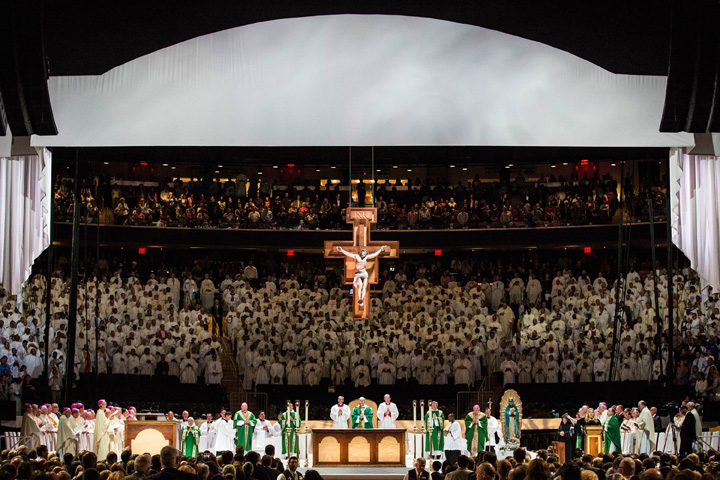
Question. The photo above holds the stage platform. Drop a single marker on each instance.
(358, 473)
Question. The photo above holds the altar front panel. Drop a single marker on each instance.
(149, 436)
(359, 447)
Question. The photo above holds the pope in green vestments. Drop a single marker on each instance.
(612, 434)
(190, 438)
(290, 424)
(434, 425)
(244, 423)
(476, 431)
(362, 415)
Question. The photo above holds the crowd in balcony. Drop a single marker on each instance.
(417, 205)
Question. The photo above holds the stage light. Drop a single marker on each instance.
(511, 164)
(613, 164)
(275, 166)
(378, 170)
(106, 163)
(507, 166)
(553, 165)
(409, 169)
(395, 166)
(165, 164)
(173, 167)
(217, 171)
(317, 169)
(464, 168)
(220, 166)
(565, 163)
(333, 167)
(259, 172)
(452, 166)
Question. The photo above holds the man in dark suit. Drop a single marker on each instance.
(687, 432)
(657, 421)
(259, 472)
(168, 460)
(142, 467)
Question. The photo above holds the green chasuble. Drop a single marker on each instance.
(612, 434)
(434, 438)
(290, 424)
(190, 439)
(244, 424)
(357, 422)
(476, 434)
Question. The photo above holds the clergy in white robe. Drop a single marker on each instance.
(645, 433)
(387, 413)
(29, 430)
(225, 437)
(207, 435)
(102, 433)
(261, 434)
(340, 414)
(386, 372)
(463, 367)
(213, 371)
(495, 435)
(67, 438)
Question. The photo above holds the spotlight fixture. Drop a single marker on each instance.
(220, 166)
(333, 166)
(553, 165)
(173, 166)
(259, 172)
(507, 166)
(395, 166)
(165, 164)
(465, 168)
(565, 163)
(275, 166)
(409, 169)
(452, 166)
(217, 171)
(613, 164)
(317, 169)
(106, 163)
(511, 165)
(377, 169)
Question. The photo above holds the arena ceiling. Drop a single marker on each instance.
(90, 38)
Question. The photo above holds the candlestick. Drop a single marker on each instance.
(307, 432)
(422, 414)
(414, 414)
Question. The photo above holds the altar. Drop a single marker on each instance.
(372, 446)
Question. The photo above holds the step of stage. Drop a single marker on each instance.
(358, 473)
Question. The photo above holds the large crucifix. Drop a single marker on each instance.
(361, 257)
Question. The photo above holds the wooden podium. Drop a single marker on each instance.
(559, 450)
(593, 440)
(374, 446)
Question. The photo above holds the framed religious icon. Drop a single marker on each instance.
(511, 417)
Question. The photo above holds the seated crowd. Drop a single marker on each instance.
(425, 204)
(292, 326)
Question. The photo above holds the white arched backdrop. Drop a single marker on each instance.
(359, 80)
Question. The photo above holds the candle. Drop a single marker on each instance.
(422, 411)
(307, 402)
(414, 413)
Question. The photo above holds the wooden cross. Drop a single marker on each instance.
(361, 219)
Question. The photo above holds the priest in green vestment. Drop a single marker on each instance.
(434, 425)
(476, 431)
(612, 432)
(190, 438)
(290, 424)
(244, 422)
(362, 415)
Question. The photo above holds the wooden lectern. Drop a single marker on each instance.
(559, 450)
(593, 440)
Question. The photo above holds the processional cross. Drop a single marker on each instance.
(361, 278)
